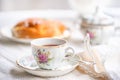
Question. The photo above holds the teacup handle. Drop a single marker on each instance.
(68, 53)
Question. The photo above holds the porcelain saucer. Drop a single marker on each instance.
(29, 65)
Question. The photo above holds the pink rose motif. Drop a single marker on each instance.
(90, 34)
(43, 58)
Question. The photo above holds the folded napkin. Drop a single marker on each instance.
(96, 70)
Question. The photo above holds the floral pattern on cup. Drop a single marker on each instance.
(43, 57)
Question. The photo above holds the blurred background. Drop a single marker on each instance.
(81, 7)
(8, 5)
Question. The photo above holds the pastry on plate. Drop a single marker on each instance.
(38, 28)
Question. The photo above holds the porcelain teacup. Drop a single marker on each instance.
(49, 53)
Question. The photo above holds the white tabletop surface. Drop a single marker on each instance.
(10, 51)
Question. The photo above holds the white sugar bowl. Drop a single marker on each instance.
(100, 28)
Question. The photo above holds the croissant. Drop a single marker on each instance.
(38, 28)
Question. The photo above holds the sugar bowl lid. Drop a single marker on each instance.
(96, 20)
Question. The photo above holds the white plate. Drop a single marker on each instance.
(9, 19)
(28, 64)
(7, 33)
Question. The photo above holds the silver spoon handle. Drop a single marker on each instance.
(88, 47)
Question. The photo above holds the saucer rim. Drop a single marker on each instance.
(17, 62)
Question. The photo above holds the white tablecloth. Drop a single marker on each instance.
(10, 51)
